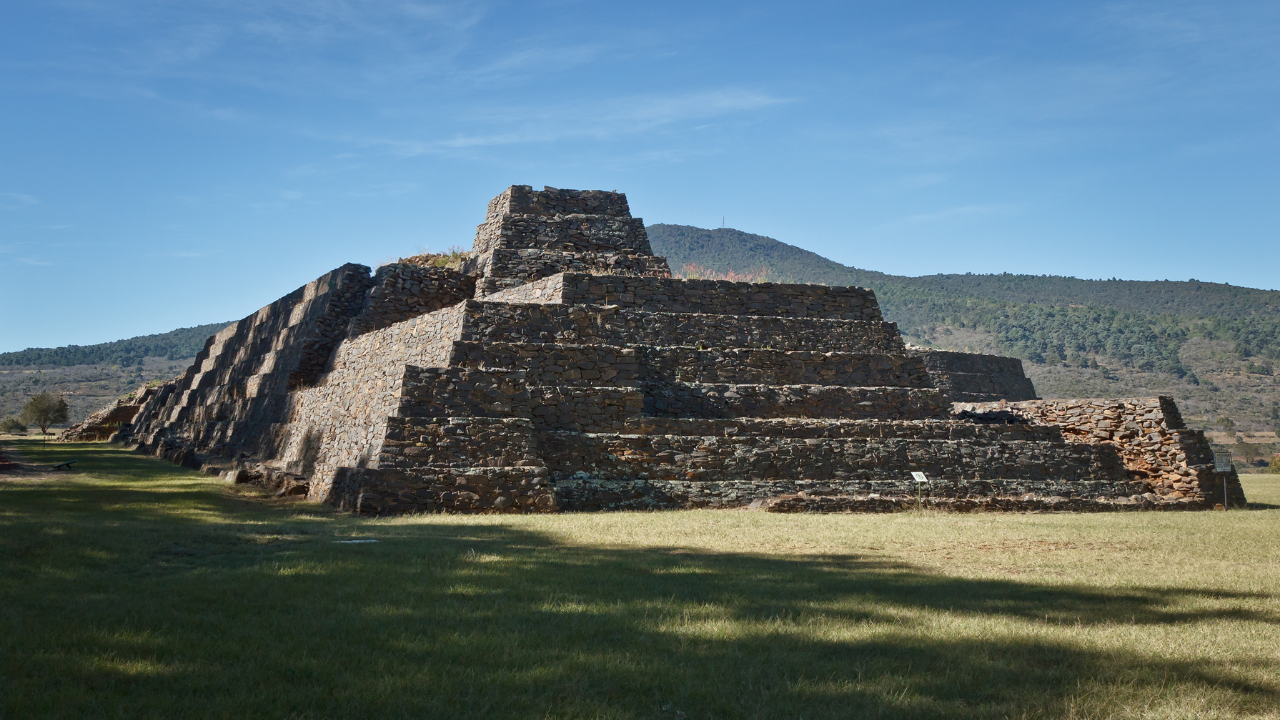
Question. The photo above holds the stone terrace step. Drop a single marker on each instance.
(597, 324)
(712, 297)
(380, 491)
(571, 233)
(703, 400)
(463, 392)
(432, 393)
(524, 200)
(584, 409)
(849, 464)
(606, 365)
(545, 364)
(458, 442)
(534, 264)
(808, 428)
(980, 387)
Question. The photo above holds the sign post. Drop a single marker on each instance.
(1222, 465)
(921, 481)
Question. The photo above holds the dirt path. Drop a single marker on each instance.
(13, 466)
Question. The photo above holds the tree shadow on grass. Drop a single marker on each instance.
(148, 600)
(145, 611)
(91, 458)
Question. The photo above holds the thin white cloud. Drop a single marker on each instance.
(948, 214)
(599, 120)
(19, 198)
(277, 45)
(395, 189)
(602, 120)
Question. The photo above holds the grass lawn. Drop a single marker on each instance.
(131, 588)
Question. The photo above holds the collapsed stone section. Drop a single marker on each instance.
(563, 368)
(1156, 447)
(104, 423)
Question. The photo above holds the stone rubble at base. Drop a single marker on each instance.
(561, 367)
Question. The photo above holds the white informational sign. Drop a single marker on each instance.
(1222, 462)
(919, 476)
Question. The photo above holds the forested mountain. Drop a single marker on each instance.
(726, 248)
(1142, 325)
(1213, 346)
(173, 345)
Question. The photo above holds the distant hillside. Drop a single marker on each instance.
(173, 345)
(726, 248)
(1097, 326)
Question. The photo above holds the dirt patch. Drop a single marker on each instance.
(14, 466)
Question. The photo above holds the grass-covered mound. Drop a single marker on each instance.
(131, 588)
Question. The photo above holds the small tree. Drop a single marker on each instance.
(1274, 467)
(13, 426)
(44, 410)
(1246, 450)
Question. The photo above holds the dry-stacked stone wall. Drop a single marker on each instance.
(567, 233)
(560, 220)
(401, 291)
(712, 297)
(650, 471)
(341, 422)
(814, 429)
(1147, 433)
(607, 365)
(459, 392)
(708, 400)
(507, 268)
(524, 200)
(383, 491)
(459, 442)
(529, 235)
(612, 325)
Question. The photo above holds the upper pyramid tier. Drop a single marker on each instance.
(530, 235)
(550, 202)
(565, 220)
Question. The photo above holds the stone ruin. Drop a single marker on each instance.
(561, 367)
(105, 423)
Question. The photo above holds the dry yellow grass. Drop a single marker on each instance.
(133, 588)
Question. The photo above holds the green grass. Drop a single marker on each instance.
(131, 588)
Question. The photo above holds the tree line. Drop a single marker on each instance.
(174, 345)
(1043, 319)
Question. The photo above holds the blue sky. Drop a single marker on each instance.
(166, 164)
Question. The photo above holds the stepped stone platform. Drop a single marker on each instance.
(561, 367)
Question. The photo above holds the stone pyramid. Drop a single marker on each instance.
(562, 367)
